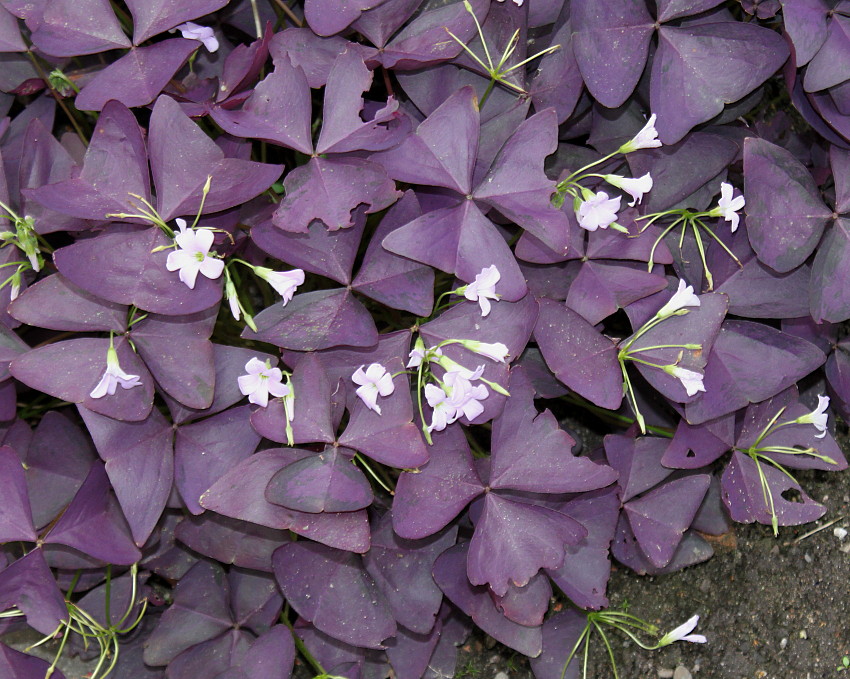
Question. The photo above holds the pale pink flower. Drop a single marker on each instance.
(598, 212)
(683, 297)
(691, 380)
(464, 397)
(374, 381)
(683, 633)
(817, 417)
(192, 255)
(727, 207)
(635, 187)
(113, 377)
(284, 282)
(494, 351)
(647, 138)
(483, 288)
(204, 34)
(261, 381)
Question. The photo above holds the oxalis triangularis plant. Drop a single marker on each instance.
(299, 294)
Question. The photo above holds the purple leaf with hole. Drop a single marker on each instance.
(744, 495)
(230, 541)
(180, 177)
(305, 573)
(325, 482)
(700, 68)
(828, 293)
(93, 523)
(316, 320)
(328, 190)
(71, 369)
(69, 28)
(656, 525)
(151, 17)
(583, 576)
(139, 460)
(57, 461)
(115, 166)
(205, 451)
(401, 568)
(317, 250)
(137, 78)
(16, 521)
(119, 266)
(391, 279)
(177, 351)
(29, 585)
(240, 494)
(580, 357)
(476, 602)
(750, 362)
(785, 215)
(56, 303)
(695, 446)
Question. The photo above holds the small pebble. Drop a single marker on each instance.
(803, 634)
(501, 675)
(665, 673)
(783, 642)
(682, 672)
(845, 548)
(840, 533)
(807, 557)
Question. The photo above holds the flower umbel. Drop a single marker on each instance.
(113, 376)
(817, 417)
(193, 255)
(683, 633)
(374, 381)
(261, 381)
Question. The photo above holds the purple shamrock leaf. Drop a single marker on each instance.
(24, 666)
(15, 515)
(29, 585)
(561, 633)
(828, 296)
(526, 605)
(69, 28)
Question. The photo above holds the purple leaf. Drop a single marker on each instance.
(10, 34)
(240, 494)
(526, 605)
(692, 549)
(230, 541)
(215, 657)
(659, 529)
(155, 16)
(327, 18)
(610, 46)
(205, 451)
(114, 167)
(427, 500)
(69, 28)
(392, 280)
(137, 78)
(24, 666)
(277, 111)
(15, 515)
(638, 461)
(583, 576)
(177, 351)
(750, 362)
(779, 190)
(325, 482)
(828, 68)
(557, 82)
(29, 585)
(828, 293)
(476, 602)
(182, 157)
(580, 357)
(300, 47)
(316, 320)
(675, 9)
(57, 462)
(402, 570)
(805, 22)
(328, 189)
(700, 68)
(200, 612)
(317, 250)
(462, 241)
(71, 369)
(56, 303)
(756, 291)
(379, 23)
(93, 523)
(500, 556)
(532, 453)
(695, 446)
(600, 289)
(271, 656)
(243, 65)
(744, 495)
(119, 266)
(320, 583)
(561, 633)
